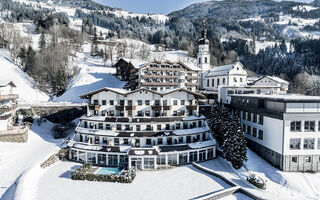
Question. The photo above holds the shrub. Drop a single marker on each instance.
(84, 173)
(62, 130)
(257, 181)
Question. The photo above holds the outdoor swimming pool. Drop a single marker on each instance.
(109, 171)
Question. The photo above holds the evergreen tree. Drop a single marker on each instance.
(30, 61)
(283, 46)
(23, 55)
(94, 44)
(42, 42)
(59, 82)
(229, 135)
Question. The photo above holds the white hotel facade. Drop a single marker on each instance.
(283, 129)
(144, 129)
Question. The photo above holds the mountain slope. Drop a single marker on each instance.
(26, 87)
(232, 9)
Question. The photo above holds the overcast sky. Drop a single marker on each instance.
(154, 6)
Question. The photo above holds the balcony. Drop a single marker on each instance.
(120, 108)
(9, 97)
(192, 77)
(166, 107)
(94, 107)
(192, 84)
(193, 107)
(158, 84)
(130, 107)
(156, 107)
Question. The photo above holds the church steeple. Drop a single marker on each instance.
(203, 39)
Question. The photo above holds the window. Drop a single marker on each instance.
(254, 132)
(260, 136)
(104, 102)
(295, 143)
(212, 83)
(223, 81)
(175, 102)
(160, 141)
(127, 127)
(208, 82)
(159, 127)
(307, 159)
(218, 82)
(121, 102)
(100, 126)
(295, 126)
(261, 119)
(140, 113)
(125, 141)
(205, 60)
(318, 125)
(167, 126)
(147, 102)
(149, 128)
(249, 117)
(175, 113)
(255, 118)
(309, 126)
(165, 102)
(138, 127)
(108, 127)
(308, 143)
(147, 113)
(244, 115)
(249, 130)
(157, 102)
(182, 113)
(318, 143)
(119, 127)
(129, 102)
(241, 79)
(139, 102)
(111, 102)
(111, 113)
(294, 159)
(180, 140)
(95, 102)
(183, 102)
(116, 141)
(178, 126)
(148, 141)
(169, 140)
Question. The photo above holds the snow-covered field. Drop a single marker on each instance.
(26, 87)
(280, 185)
(18, 160)
(179, 183)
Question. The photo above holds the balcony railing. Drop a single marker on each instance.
(94, 107)
(121, 108)
(130, 107)
(9, 96)
(193, 107)
(158, 84)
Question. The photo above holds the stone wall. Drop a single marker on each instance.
(15, 135)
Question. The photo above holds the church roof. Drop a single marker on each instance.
(222, 70)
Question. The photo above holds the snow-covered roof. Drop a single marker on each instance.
(135, 63)
(198, 145)
(192, 117)
(276, 79)
(4, 83)
(192, 131)
(127, 92)
(222, 70)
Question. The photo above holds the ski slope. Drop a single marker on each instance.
(26, 87)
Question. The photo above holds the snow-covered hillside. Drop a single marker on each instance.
(26, 87)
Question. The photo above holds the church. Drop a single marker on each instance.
(211, 78)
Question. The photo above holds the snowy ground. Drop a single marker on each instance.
(26, 87)
(280, 185)
(93, 74)
(179, 183)
(16, 160)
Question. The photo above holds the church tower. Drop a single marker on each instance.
(204, 54)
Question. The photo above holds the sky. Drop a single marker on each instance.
(149, 6)
(155, 6)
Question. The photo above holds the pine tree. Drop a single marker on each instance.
(30, 61)
(228, 133)
(59, 82)
(42, 42)
(94, 45)
(23, 55)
